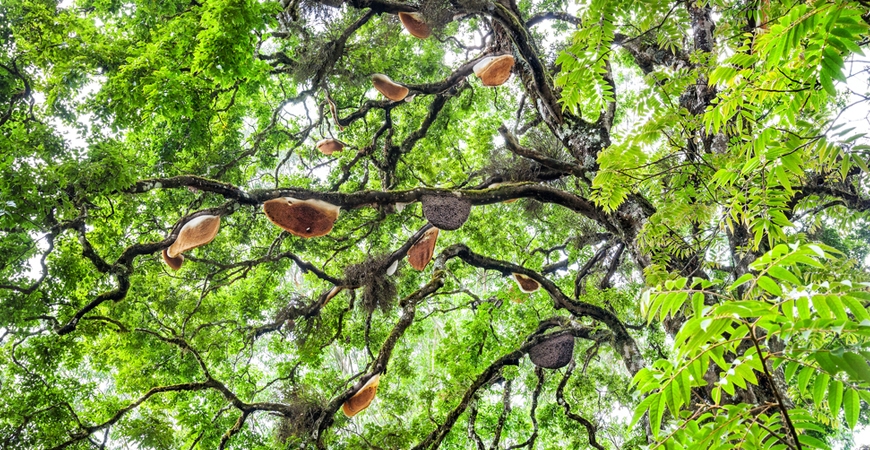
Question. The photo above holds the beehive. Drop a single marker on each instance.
(363, 398)
(329, 146)
(553, 353)
(421, 252)
(391, 90)
(195, 233)
(526, 284)
(494, 70)
(415, 25)
(446, 212)
(303, 218)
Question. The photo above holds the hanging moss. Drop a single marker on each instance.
(378, 291)
(300, 423)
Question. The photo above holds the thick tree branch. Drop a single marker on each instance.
(564, 17)
(850, 200)
(520, 37)
(647, 54)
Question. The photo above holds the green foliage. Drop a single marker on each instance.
(585, 63)
(700, 218)
(779, 319)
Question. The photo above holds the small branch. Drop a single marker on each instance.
(587, 268)
(379, 365)
(506, 409)
(623, 343)
(782, 407)
(530, 442)
(472, 433)
(514, 146)
(591, 428)
(88, 430)
(614, 263)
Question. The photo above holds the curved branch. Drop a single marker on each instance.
(114, 295)
(622, 341)
(226, 190)
(514, 146)
(87, 431)
(379, 365)
(502, 418)
(303, 265)
(472, 432)
(530, 442)
(523, 42)
(433, 440)
(564, 17)
(591, 428)
(848, 199)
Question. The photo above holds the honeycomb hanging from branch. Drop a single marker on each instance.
(195, 233)
(303, 218)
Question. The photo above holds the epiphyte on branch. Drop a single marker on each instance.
(495, 185)
(197, 232)
(303, 218)
(391, 90)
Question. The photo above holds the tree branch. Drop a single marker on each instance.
(623, 343)
(591, 428)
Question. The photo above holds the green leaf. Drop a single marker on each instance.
(769, 285)
(656, 411)
(740, 281)
(856, 308)
(804, 378)
(642, 408)
(825, 80)
(851, 407)
(812, 442)
(803, 307)
(820, 387)
(790, 370)
(857, 367)
(827, 362)
(783, 274)
(835, 397)
(821, 305)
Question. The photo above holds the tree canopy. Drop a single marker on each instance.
(346, 224)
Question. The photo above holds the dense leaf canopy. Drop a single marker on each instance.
(664, 207)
